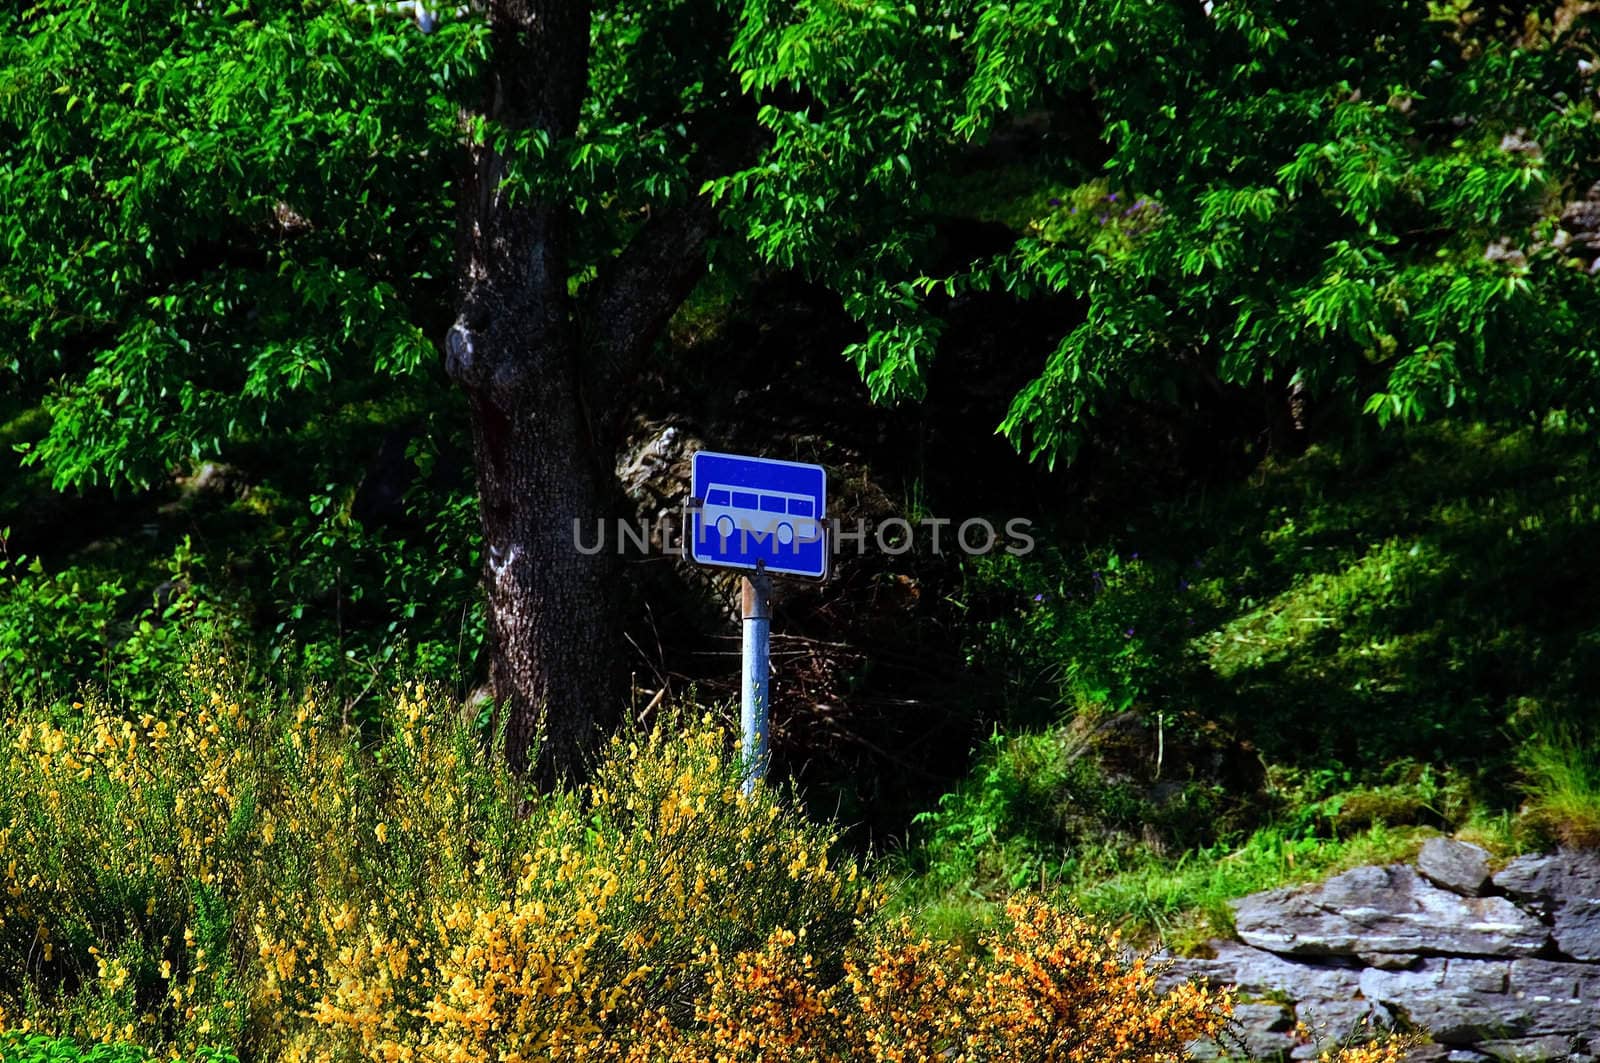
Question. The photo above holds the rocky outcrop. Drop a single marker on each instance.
(1385, 910)
(1491, 967)
(1463, 1001)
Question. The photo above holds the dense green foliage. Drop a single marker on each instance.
(220, 230)
(1358, 202)
(1402, 638)
(225, 244)
(232, 240)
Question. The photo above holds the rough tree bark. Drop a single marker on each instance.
(540, 370)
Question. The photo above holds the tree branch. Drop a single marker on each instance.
(637, 293)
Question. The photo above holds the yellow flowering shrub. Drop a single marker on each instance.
(120, 838)
(1049, 987)
(253, 875)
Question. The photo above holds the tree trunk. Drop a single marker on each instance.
(515, 350)
(543, 377)
(552, 610)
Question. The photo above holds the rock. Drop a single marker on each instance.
(1577, 929)
(1518, 142)
(1581, 219)
(1564, 887)
(213, 483)
(1341, 1022)
(1551, 1047)
(1462, 1001)
(1548, 880)
(1257, 1032)
(1456, 866)
(1384, 910)
(654, 469)
(1257, 973)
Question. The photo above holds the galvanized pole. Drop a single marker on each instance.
(754, 717)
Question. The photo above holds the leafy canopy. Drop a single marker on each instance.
(227, 217)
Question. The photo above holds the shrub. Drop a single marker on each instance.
(1109, 631)
(1031, 800)
(247, 874)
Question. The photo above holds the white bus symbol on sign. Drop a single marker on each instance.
(728, 510)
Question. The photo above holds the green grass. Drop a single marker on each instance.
(1185, 900)
(24, 1048)
(1561, 776)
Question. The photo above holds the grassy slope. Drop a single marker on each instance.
(1407, 639)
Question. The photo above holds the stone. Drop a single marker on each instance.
(1258, 973)
(1389, 961)
(1463, 1001)
(1576, 929)
(1565, 888)
(1257, 1031)
(1456, 866)
(1552, 1047)
(1384, 910)
(1549, 880)
(1429, 1052)
(1342, 1022)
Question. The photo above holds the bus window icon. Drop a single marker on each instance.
(790, 518)
(759, 513)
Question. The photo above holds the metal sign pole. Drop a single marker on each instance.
(753, 705)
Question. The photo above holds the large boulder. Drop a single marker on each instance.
(1456, 866)
(1565, 888)
(1385, 910)
(1466, 1001)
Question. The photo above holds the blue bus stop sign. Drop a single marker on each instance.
(759, 513)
